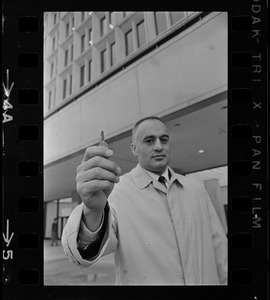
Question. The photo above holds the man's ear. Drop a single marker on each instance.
(134, 149)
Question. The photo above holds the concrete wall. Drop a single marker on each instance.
(189, 68)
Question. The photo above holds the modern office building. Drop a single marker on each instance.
(106, 70)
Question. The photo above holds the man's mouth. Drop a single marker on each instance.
(159, 156)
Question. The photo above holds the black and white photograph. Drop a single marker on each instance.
(135, 148)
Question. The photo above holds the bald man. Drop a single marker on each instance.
(161, 226)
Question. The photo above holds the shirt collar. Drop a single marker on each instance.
(142, 178)
(156, 176)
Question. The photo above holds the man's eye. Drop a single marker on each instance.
(165, 140)
(149, 141)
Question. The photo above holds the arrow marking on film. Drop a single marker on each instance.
(6, 237)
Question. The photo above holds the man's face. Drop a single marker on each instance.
(151, 145)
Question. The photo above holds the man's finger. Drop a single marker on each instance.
(100, 162)
(97, 151)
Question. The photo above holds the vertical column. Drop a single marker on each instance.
(150, 26)
(134, 36)
(120, 44)
(95, 62)
(95, 28)
(213, 189)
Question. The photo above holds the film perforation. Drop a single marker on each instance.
(242, 168)
(241, 23)
(28, 276)
(28, 204)
(28, 132)
(241, 60)
(28, 240)
(242, 276)
(242, 204)
(242, 95)
(242, 240)
(28, 60)
(28, 168)
(28, 24)
(241, 132)
(28, 96)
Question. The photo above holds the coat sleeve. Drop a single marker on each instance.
(219, 243)
(71, 233)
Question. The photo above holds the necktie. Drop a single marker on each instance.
(162, 180)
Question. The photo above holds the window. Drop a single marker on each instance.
(113, 54)
(141, 34)
(82, 43)
(83, 16)
(66, 57)
(111, 21)
(54, 19)
(65, 89)
(176, 16)
(90, 36)
(129, 42)
(103, 63)
(102, 26)
(70, 84)
(89, 70)
(67, 29)
(160, 22)
(71, 54)
(73, 22)
(52, 70)
(53, 44)
(82, 76)
(50, 99)
(124, 14)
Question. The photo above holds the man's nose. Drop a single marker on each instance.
(158, 145)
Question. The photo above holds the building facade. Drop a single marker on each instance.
(107, 70)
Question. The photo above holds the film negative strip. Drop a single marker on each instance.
(22, 148)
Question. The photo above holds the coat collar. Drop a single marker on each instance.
(142, 179)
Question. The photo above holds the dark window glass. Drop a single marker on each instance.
(67, 29)
(54, 20)
(66, 58)
(71, 54)
(50, 98)
(65, 89)
(83, 16)
(53, 44)
(160, 22)
(177, 16)
(129, 42)
(103, 62)
(89, 70)
(90, 36)
(51, 70)
(82, 43)
(82, 76)
(70, 84)
(110, 17)
(73, 22)
(113, 54)
(141, 34)
(102, 26)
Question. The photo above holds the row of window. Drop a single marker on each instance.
(134, 38)
(160, 25)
